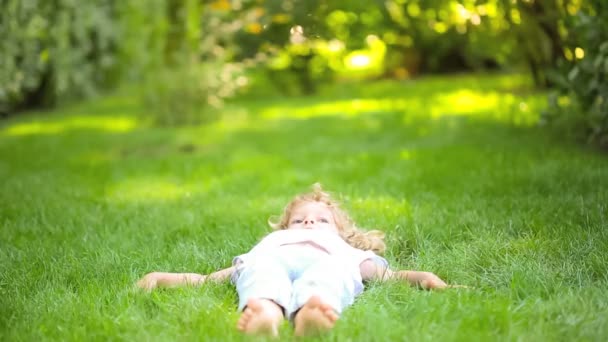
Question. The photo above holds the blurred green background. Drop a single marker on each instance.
(192, 55)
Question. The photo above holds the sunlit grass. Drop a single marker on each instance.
(452, 169)
(118, 124)
(501, 106)
(150, 189)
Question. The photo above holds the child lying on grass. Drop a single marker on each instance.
(309, 270)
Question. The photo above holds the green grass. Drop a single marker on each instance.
(454, 170)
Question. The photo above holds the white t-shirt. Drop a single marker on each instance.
(331, 242)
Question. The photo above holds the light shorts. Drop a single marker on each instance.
(290, 274)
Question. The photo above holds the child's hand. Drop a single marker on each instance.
(429, 281)
(149, 282)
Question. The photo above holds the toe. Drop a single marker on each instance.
(245, 316)
(330, 314)
(314, 302)
(254, 304)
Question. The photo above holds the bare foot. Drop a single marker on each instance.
(314, 317)
(261, 317)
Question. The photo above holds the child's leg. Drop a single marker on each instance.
(263, 277)
(331, 280)
(264, 290)
(320, 295)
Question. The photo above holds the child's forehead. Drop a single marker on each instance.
(310, 206)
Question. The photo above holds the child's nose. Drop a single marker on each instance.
(309, 221)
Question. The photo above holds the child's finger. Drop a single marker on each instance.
(146, 284)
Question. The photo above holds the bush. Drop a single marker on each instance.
(190, 92)
(57, 50)
(199, 72)
(49, 51)
(582, 100)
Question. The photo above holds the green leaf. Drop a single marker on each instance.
(573, 74)
(593, 85)
(597, 63)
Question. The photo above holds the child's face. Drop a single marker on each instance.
(312, 215)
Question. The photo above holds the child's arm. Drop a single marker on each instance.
(162, 279)
(426, 280)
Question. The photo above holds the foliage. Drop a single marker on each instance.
(539, 30)
(200, 70)
(582, 99)
(420, 36)
(440, 36)
(141, 47)
(58, 50)
(445, 35)
(189, 93)
(50, 52)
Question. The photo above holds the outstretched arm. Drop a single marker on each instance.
(162, 279)
(426, 280)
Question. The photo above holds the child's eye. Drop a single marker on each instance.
(323, 219)
(296, 221)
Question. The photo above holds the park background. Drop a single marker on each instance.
(161, 135)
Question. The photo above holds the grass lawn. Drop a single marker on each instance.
(453, 169)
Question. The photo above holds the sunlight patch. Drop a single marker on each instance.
(405, 154)
(142, 190)
(383, 205)
(491, 105)
(232, 120)
(335, 108)
(463, 102)
(117, 124)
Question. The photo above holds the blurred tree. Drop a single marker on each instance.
(286, 31)
(204, 61)
(52, 51)
(582, 101)
(441, 35)
(535, 26)
(59, 50)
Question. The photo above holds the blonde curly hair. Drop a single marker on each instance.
(372, 240)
